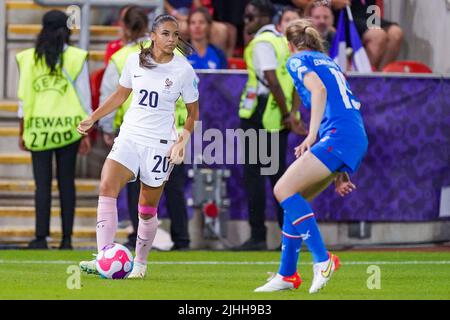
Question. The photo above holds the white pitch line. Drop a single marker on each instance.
(65, 262)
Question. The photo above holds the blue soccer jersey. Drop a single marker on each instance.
(341, 130)
(213, 59)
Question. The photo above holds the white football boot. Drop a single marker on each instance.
(323, 272)
(138, 272)
(277, 282)
(89, 266)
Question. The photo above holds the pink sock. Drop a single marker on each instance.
(107, 221)
(145, 236)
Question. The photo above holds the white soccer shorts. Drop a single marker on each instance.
(150, 162)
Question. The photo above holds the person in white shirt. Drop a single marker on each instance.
(148, 142)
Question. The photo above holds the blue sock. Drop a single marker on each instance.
(290, 249)
(300, 214)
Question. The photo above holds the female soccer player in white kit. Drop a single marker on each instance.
(148, 142)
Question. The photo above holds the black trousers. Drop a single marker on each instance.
(255, 182)
(176, 206)
(133, 190)
(66, 158)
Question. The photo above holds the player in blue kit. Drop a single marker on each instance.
(336, 119)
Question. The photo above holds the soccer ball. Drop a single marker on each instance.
(114, 261)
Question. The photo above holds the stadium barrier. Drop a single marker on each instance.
(408, 162)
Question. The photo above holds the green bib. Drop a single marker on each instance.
(180, 115)
(51, 107)
(271, 119)
(119, 59)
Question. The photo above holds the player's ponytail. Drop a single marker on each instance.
(302, 34)
(146, 55)
(185, 47)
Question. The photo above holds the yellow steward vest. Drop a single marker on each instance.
(51, 107)
(271, 119)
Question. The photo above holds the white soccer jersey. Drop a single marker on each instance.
(155, 91)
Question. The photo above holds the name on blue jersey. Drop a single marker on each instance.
(319, 62)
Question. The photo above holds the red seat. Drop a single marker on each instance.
(236, 63)
(407, 67)
(96, 81)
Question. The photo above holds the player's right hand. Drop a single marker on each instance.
(84, 126)
(305, 145)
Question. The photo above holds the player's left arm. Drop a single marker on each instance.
(318, 91)
(192, 117)
(296, 125)
(176, 152)
(190, 95)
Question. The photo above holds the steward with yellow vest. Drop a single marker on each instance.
(266, 104)
(54, 96)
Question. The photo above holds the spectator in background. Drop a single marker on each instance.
(323, 20)
(285, 11)
(286, 15)
(230, 12)
(280, 5)
(302, 3)
(115, 45)
(299, 4)
(135, 27)
(223, 35)
(180, 9)
(54, 88)
(206, 55)
(97, 75)
(383, 44)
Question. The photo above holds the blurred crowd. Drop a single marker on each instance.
(218, 30)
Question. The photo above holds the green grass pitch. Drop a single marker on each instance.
(222, 275)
